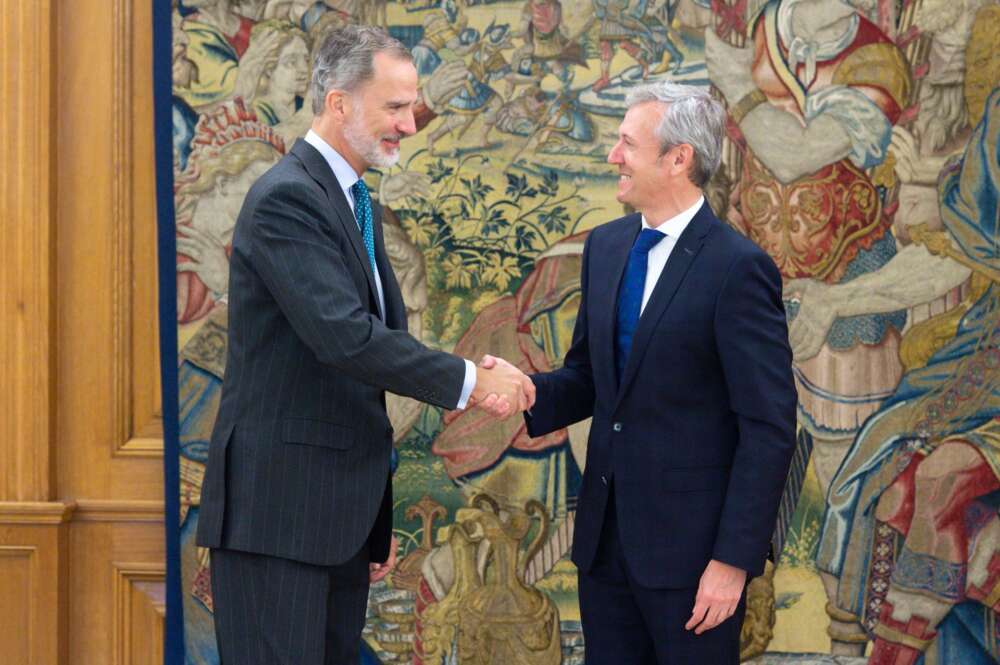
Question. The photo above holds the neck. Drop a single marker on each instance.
(675, 200)
(282, 101)
(335, 138)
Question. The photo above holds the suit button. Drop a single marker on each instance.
(604, 479)
(617, 427)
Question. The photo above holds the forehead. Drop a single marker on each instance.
(641, 120)
(394, 79)
(295, 44)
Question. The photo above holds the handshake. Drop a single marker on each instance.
(501, 389)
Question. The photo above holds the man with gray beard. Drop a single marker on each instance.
(297, 498)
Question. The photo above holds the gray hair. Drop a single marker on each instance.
(345, 59)
(692, 117)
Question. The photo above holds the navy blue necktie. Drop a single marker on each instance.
(630, 294)
(363, 213)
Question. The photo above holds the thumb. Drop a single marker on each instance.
(488, 362)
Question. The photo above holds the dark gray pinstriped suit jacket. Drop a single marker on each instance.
(298, 465)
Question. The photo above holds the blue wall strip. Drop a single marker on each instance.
(173, 648)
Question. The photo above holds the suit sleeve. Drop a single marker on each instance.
(566, 395)
(752, 337)
(305, 271)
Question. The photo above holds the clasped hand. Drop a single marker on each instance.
(501, 388)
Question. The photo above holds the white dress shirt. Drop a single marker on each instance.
(346, 177)
(658, 256)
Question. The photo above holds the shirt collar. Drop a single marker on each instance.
(675, 226)
(342, 171)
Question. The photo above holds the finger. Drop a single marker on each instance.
(498, 406)
(522, 398)
(489, 402)
(194, 232)
(698, 614)
(503, 407)
(712, 620)
(189, 248)
(529, 390)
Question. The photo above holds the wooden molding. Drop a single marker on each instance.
(36, 512)
(138, 423)
(126, 596)
(26, 250)
(126, 510)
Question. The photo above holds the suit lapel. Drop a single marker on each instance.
(606, 281)
(390, 288)
(320, 171)
(682, 256)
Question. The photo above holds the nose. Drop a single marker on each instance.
(407, 124)
(615, 156)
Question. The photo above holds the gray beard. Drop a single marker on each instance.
(368, 147)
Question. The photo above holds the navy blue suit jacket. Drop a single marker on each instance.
(698, 436)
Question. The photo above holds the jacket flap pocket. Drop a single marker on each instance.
(313, 432)
(696, 479)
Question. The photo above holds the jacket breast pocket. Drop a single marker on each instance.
(323, 433)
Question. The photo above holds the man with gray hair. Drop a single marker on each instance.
(680, 354)
(296, 504)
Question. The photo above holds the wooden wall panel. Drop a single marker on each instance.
(17, 581)
(138, 617)
(148, 606)
(106, 557)
(34, 597)
(81, 490)
(108, 395)
(26, 232)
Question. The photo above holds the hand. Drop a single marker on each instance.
(728, 67)
(501, 388)
(209, 260)
(719, 592)
(910, 165)
(377, 571)
(444, 83)
(818, 309)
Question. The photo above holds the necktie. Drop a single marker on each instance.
(630, 294)
(363, 214)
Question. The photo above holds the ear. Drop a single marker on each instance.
(682, 159)
(335, 103)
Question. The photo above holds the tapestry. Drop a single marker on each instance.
(864, 160)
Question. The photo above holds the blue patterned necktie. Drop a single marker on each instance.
(363, 213)
(630, 294)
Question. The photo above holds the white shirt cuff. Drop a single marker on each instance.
(469, 385)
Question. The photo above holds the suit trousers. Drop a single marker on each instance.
(625, 623)
(274, 611)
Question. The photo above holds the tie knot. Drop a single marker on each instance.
(647, 240)
(360, 189)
